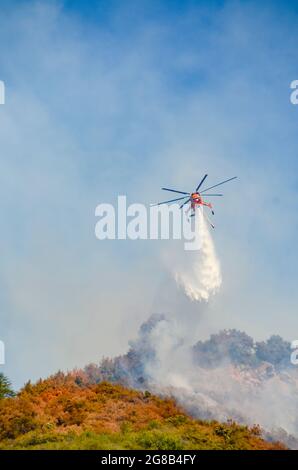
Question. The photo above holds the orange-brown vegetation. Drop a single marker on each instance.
(64, 412)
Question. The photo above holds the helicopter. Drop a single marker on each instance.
(195, 198)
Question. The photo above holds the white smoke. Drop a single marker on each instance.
(247, 395)
(224, 392)
(172, 356)
(199, 272)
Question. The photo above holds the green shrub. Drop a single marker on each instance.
(156, 440)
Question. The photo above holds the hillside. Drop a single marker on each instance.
(64, 412)
(228, 376)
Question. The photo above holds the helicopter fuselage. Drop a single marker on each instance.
(197, 200)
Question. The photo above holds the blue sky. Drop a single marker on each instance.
(108, 98)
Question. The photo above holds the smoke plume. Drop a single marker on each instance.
(227, 377)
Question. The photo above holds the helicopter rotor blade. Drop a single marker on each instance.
(218, 184)
(201, 182)
(184, 203)
(174, 191)
(167, 202)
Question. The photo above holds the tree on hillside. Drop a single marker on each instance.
(232, 345)
(275, 350)
(5, 387)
